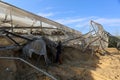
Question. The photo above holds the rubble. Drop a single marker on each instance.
(80, 55)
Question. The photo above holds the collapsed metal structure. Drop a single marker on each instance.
(20, 21)
(97, 37)
(16, 22)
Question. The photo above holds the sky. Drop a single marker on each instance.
(76, 14)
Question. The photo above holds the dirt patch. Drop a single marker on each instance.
(77, 65)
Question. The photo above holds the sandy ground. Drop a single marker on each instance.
(86, 67)
(76, 66)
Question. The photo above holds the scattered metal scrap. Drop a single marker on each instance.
(14, 21)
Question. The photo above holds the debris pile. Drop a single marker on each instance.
(81, 61)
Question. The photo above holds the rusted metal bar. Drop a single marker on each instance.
(12, 40)
(17, 35)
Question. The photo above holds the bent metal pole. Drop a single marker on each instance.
(38, 69)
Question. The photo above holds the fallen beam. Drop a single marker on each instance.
(17, 35)
(36, 68)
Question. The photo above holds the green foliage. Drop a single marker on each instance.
(118, 37)
(113, 41)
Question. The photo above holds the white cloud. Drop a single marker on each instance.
(46, 14)
(83, 24)
(48, 8)
(85, 21)
(109, 22)
(78, 22)
(70, 21)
